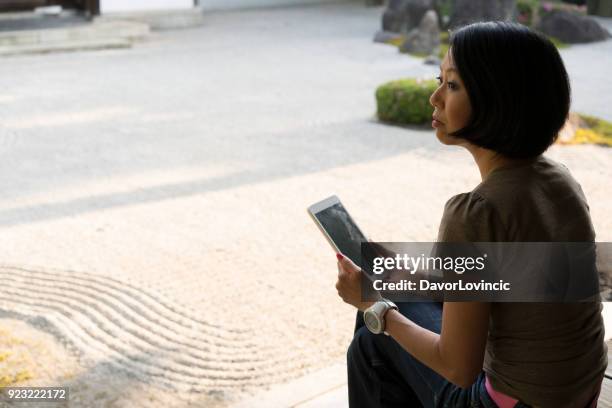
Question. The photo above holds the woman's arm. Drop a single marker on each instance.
(457, 353)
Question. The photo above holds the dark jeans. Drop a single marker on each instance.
(382, 374)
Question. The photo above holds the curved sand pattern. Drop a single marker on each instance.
(102, 318)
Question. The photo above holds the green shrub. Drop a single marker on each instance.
(405, 101)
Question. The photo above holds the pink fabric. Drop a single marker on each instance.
(500, 399)
(594, 402)
(505, 401)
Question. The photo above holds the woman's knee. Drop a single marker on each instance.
(356, 348)
(367, 345)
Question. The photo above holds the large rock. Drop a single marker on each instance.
(432, 60)
(469, 11)
(425, 38)
(601, 8)
(401, 16)
(572, 28)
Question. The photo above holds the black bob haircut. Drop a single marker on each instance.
(517, 84)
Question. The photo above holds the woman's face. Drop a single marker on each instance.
(451, 102)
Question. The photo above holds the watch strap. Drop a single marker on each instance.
(380, 309)
(390, 306)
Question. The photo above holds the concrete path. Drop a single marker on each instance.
(320, 389)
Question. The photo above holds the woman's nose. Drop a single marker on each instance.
(434, 99)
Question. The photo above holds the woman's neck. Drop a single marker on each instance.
(489, 160)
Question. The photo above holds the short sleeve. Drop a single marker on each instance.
(469, 217)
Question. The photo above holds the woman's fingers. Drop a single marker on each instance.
(346, 264)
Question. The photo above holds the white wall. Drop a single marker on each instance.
(235, 4)
(144, 5)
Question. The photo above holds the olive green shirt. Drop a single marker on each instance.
(543, 354)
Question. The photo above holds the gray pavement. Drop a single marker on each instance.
(196, 95)
(587, 65)
(244, 73)
(255, 72)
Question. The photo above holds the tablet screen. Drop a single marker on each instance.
(342, 230)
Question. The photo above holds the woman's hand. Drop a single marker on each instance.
(349, 283)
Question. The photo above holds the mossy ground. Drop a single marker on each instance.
(12, 371)
(592, 130)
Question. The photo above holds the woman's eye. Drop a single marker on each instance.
(451, 85)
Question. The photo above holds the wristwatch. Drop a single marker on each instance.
(374, 316)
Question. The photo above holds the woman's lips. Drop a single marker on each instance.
(436, 123)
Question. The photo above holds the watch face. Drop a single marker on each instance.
(371, 321)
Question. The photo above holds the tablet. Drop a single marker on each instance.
(338, 227)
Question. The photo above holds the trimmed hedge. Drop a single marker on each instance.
(405, 101)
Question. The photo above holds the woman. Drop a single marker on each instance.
(504, 95)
